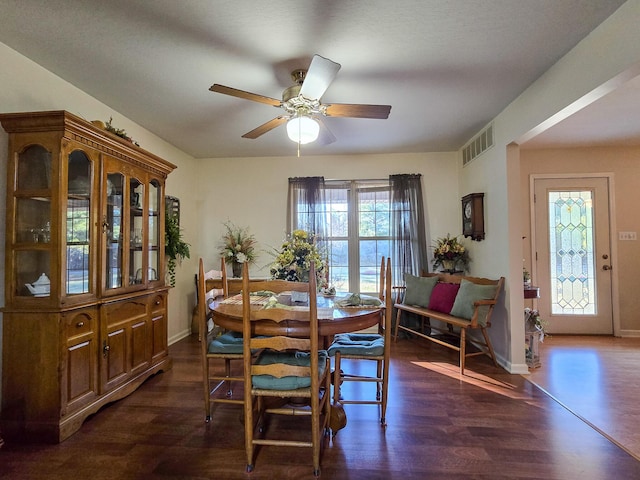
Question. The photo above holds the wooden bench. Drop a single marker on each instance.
(480, 319)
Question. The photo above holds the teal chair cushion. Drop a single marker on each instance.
(230, 342)
(357, 344)
(269, 382)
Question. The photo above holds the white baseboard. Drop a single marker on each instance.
(179, 336)
(630, 333)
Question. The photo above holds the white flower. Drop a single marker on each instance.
(241, 257)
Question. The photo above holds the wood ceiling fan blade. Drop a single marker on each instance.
(234, 92)
(266, 127)
(358, 111)
(321, 73)
(325, 137)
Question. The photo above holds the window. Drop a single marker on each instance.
(358, 234)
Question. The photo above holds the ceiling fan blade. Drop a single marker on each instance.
(266, 127)
(325, 137)
(321, 73)
(234, 92)
(358, 111)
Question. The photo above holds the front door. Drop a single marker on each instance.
(573, 254)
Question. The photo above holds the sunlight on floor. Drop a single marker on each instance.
(474, 378)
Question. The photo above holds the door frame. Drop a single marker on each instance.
(615, 303)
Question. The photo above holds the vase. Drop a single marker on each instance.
(236, 268)
(449, 265)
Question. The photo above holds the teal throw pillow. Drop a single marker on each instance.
(468, 294)
(418, 290)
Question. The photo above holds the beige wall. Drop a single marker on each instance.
(252, 192)
(624, 164)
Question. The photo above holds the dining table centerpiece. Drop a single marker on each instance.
(450, 254)
(238, 246)
(293, 259)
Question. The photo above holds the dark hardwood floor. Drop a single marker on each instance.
(485, 425)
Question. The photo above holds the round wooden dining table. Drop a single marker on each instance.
(332, 319)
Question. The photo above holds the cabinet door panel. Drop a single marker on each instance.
(159, 346)
(81, 377)
(159, 326)
(140, 355)
(128, 343)
(114, 359)
(81, 358)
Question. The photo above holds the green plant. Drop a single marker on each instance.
(175, 248)
(120, 132)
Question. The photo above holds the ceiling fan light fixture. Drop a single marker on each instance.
(303, 129)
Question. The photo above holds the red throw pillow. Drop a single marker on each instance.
(443, 296)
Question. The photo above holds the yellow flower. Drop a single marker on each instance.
(294, 259)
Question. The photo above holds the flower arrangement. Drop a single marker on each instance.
(534, 334)
(533, 322)
(294, 259)
(449, 253)
(238, 246)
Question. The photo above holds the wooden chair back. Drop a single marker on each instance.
(204, 296)
(280, 315)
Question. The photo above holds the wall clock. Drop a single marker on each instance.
(473, 216)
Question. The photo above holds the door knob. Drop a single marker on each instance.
(607, 267)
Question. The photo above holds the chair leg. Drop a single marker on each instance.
(207, 391)
(463, 353)
(385, 393)
(248, 430)
(227, 372)
(379, 375)
(395, 332)
(337, 378)
(489, 346)
(315, 436)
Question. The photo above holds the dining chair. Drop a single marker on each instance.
(284, 375)
(216, 345)
(216, 286)
(365, 346)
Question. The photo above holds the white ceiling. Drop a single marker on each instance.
(446, 67)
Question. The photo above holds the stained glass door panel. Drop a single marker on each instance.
(573, 267)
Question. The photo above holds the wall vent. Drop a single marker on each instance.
(478, 145)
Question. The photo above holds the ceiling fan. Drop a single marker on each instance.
(303, 110)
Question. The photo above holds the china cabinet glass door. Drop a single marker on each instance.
(155, 195)
(113, 229)
(78, 228)
(136, 231)
(32, 234)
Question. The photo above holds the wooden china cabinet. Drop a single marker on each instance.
(85, 316)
